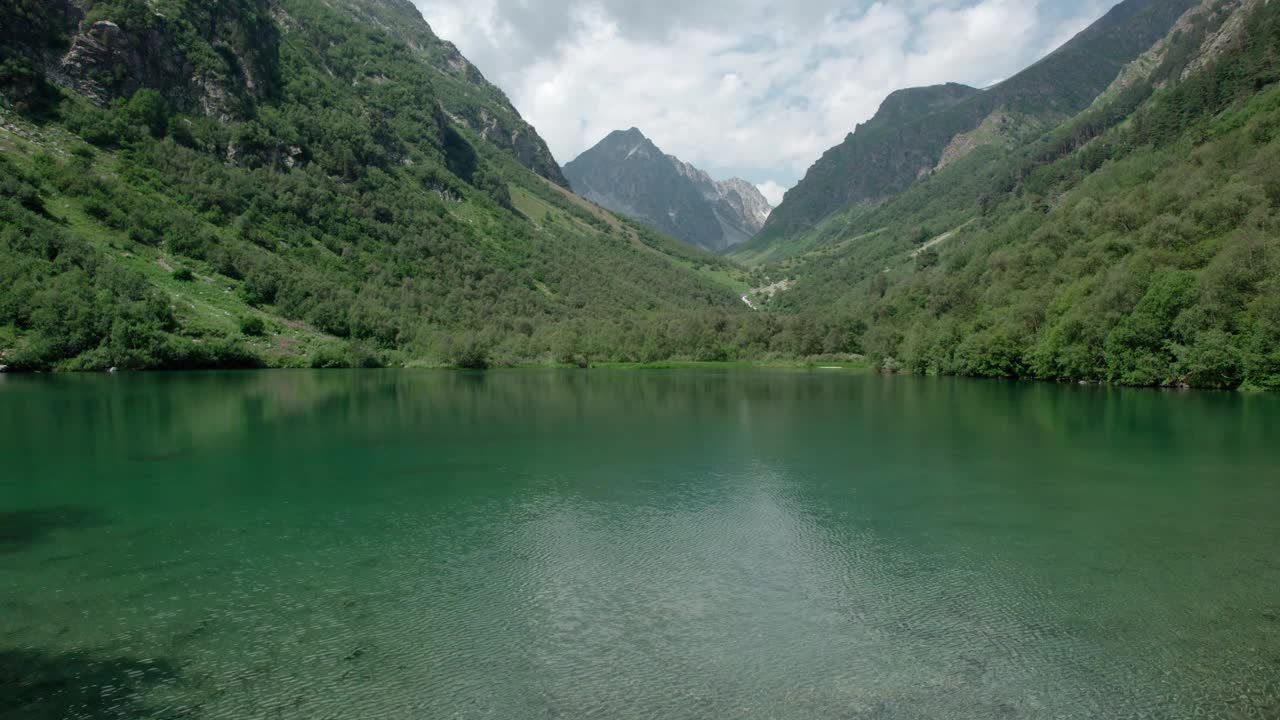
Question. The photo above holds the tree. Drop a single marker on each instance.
(148, 109)
(1139, 349)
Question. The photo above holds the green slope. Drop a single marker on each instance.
(1138, 243)
(336, 203)
(890, 154)
(466, 96)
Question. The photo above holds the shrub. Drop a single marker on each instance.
(926, 259)
(337, 355)
(328, 357)
(261, 284)
(253, 326)
(97, 208)
(22, 193)
(183, 275)
(147, 108)
(468, 353)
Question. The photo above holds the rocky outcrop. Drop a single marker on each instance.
(739, 207)
(628, 174)
(484, 109)
(105, 57)
(223, 59)
(105, 62)
(1231, 31)
(516, 137)
(997, 126)
(747, 202)
(1213, 25)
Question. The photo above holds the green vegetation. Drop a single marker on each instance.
(342, 220)
(327, 212)
(908, 137)
(28, 29)
(838, 363)
(466, 96)
(253, 325)
(1138, 243)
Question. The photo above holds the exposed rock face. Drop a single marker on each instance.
(747, 202)
(115, 57)
(231, 61)
(738, 205)
(485, 109)
(1214, 24)
(106, 62)
(627, 173)
(1232, 30)
(998, 125)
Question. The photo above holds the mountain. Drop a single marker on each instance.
(627, 173)
(304, 183)
(740, 208)
(193, 184)
(1136, 243)
(105, 62)
(919, 131)
(466, 96)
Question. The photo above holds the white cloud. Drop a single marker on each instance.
(754, 88)
(772, 191)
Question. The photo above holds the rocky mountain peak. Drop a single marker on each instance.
(627, 173)
(748, 200)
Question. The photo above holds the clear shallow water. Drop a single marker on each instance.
(673, 545)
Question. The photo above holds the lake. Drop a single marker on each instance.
(620, 544)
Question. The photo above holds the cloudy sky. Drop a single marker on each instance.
(750, 88)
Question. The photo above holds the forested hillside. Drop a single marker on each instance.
(920, 131)
(1138, 243)
(466, 96)
(248, 182)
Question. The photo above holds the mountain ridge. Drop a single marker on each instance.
(466, 96)
(1135, 243)
(308, 201)
(877, 161)
(627, 173)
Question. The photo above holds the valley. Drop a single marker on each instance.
(214, 205)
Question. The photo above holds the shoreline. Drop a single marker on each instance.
(855, 367)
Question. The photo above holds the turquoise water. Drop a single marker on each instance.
(668, 545)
